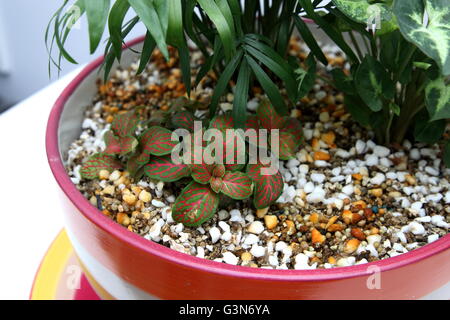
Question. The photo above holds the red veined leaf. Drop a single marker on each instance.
(252, 122)
(216, 184)
(112, 143)
(268, 188)
(97, 162)
(222, 122)
(234, 148)
(202, 172)
(196, 204)
(136, 162)
(218, 171)
(163, 169)
(127, 144)
(294, 127)
(157, 141)
(237, 185)
(184, 119)
(288, 146)
(268, 117)
(124, 124)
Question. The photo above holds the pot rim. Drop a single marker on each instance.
(149, 247)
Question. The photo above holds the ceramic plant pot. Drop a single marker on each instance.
(123, 265)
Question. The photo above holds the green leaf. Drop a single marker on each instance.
(342, 82)
(157, 141)
(268, 117)
(308, 37)
(216, 184)
(373, 83)
(115, 21)
(269, 87)
(437, 99)
(147, 50)
(241, 96)
(426, 130)
(124, 124)
(268, 188)
(236, 185)
(184, 119)
(447, 154)
(136, 161)
(328, 29)
(394, 108)
(294, 127)
(432, 38)
(96, 163)
(358, 109)
(201, 173)
(155, 22)
(97, 15)
(225, 30)
(119, 145)
(163, 169)
(222, 83)
(196, 204)
(367, 11)
(306, 79)
(222, 122)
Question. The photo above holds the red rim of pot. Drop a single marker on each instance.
(115, 230)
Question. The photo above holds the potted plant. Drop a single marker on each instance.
(228, 81)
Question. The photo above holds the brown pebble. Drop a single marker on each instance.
(358, 234)
(271, 221)
(317, 237)
(351, 246)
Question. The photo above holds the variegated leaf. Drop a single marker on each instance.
(184, 119)
(196, 204)
(112, 143)
(437, 97)
(218, 171)
(157, 141)
(163, 169)
(366, 11)
(124, 124)
(97, 162)
(136, 162)
(288, 146)
(202, 172)
(127, 144)
(237, 185)
(216, 184)
(432, 36)
(222, 122)
(268, 188)
(268, 117)
(294, 127)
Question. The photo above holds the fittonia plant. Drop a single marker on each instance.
(150, 154)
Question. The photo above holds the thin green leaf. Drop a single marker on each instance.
(115, 21)
(147, 50)
(241, 96)
(97, 15)
(308, 37)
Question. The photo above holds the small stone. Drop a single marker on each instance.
(256, 227)
(432, 238)
(432, 171)
(260, 213)
(115, 175)
(317, 237)
(358, 234)
(224, 226)
(223, 214)
(109, 190)
(410, 179)
(318, 177)
(158, 204)
(414, 154)
(324, 117)
(145, 196)
(351, 246)
(316, 196)
(374, 238)
(251, 239)
(129, 199)
(360, 147)
(378, 179)
(246, 256)
(372, 160)
(258, 251)
(378, 192)
(215, 234)
(235, 216)
(416, 228)
(321, 155)
(271, 221)
(308, 187)
(381, 151)
(328, 137)
(230, 258)
(348, 189)
(123, 219)
(103, 174)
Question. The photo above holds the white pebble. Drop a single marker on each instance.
(251, 239)
(224, 226)
(316, 196)
(371, 160)
(348, 189)
(433, 237)
(235, 215)
(309, 187)
(360, 147)
(414, 154)
(280, 245)
(378, 179)
(372, 239)
(257, 251)
(317, 177)
(416, 228)
(158, 204)
(304, 168)
(256, 227)
(215, 234)
(230, 258)
(438, 221)
(381, 151)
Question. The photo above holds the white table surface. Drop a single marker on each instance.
(29, 207)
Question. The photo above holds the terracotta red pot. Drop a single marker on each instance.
(123, 265)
